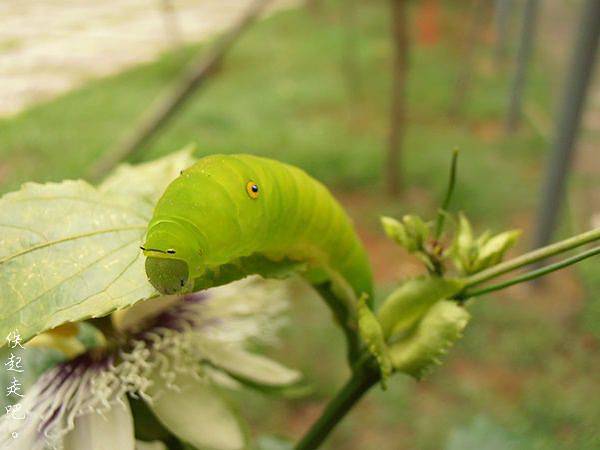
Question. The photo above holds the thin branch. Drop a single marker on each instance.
(155, 118)
(533, 274)
(361, 380)
(534, 256)
(441, 217)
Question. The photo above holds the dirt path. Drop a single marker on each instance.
(49, 47)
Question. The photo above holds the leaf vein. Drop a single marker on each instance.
(70, 238)
(70, 277)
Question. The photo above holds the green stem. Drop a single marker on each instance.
(363, 378)
(441, 217)
(366, 373)
(533, 274)
(534, 256)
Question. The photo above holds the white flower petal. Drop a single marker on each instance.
(197, 414)
(220, 378)
(248, 366)
(110, 430)
(132, 319)
(154, 445)
(251, 308)
(20, 435)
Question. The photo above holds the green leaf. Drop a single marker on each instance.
(69, 251)
(142, 185)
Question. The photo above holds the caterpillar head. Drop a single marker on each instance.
(171, 255)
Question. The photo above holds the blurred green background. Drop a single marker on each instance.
(526, 374)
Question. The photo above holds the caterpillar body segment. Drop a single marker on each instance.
(228, 216)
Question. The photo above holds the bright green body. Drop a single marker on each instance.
(209, 220)
(294, 218)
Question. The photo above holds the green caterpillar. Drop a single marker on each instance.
(228, 216)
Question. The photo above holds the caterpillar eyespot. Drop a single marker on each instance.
(252, 189)
(171, 251)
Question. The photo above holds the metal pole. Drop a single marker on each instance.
(524, 55)
(502, 16)
(568, 119)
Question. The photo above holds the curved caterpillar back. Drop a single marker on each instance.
(231, 215)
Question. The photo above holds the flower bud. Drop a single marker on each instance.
(464, 250)
(396, 231)
(441, 327)
(411, 233)
(407, 304)
(493, 250)
(472, 255)
(417, 230)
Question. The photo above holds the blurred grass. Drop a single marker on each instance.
(286, 97)
(526, 372)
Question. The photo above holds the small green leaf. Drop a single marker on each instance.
(482, 240)
(464, 235)
(441, 327)
(417, 230)
(69, 251)
(472, 255)
(463, 248)
(411, 233)
(407, 304)
(493, 250)
(395, 230)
